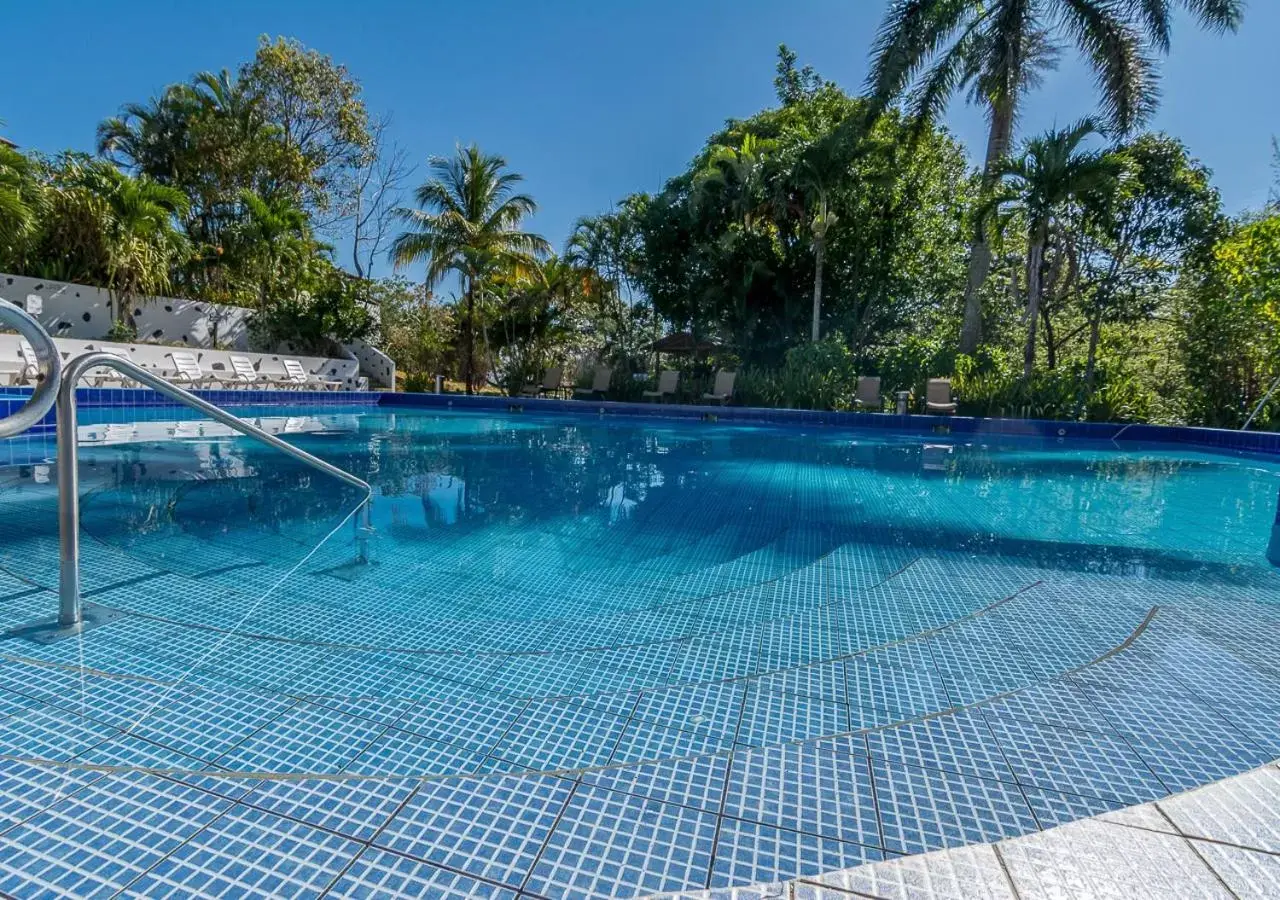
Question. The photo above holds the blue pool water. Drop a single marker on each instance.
(593, 656)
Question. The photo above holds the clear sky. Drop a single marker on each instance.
(590, 99)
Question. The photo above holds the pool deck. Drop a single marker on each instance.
(1218, 841)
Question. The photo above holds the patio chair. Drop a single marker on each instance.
(299, 377)
(668, 383)
(28, 369)
(551, 383)
(722, 390)
(938, 397)
(102, 376)
(600, 382)
(868, 395)
(188, 371)
(243, 372)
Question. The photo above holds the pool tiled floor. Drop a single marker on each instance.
(710, 728)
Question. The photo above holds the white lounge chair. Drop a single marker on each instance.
(722, 390)
(297, 376)
(600, 382)
(243, 373)
(668, 382)
(188, 371)
(102, 376)
(30, 364)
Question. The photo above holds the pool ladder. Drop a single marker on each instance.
(56, 387)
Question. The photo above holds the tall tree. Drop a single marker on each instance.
(1052, 172)
(997, 50)
(468, 222)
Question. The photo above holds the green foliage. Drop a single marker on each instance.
(1231, 326)
(1050, 394)
(332, 308)
(727, 249)
(812, 376)
(468, 223)
(418, 333)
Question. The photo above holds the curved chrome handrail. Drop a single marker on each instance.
(49, 362)
(70, 612)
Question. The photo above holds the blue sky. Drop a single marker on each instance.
(590, 100)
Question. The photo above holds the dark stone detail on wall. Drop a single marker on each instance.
(184, 339)
(86, 316)
(157, 334)
(168, 308)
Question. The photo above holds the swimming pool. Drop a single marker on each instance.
(606, 656)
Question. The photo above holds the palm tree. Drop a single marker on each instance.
(998, 49)
(468, 223)
(274, 241)
(736, 176)
(1051, 173)
(17, 196)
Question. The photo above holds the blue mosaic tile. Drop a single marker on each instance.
(1076, 762)
(380, 875)
(954, 742)
(747, 852)
(822, 787)
(99, 839)
(250, 853)
(564, 734)
(489, 829)
(355, 808)
(698, 781)
(923, 810)
(772, 718)
(307, 739)
(588, 855)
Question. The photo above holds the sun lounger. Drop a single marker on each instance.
(722, 390)
(551, 383)
(938, 396)
(188, 371)
(600, 382)
(297, 376)
(868, 393)
(668, 382)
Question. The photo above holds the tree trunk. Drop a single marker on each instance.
(998, 140)
(1035, 265)
(469, 334)
(1050, 348)
(819, 255)
(1095, 334)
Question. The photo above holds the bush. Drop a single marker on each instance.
(1055, 394)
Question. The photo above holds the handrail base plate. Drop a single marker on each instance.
(94, 615)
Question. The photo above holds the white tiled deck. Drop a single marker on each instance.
(1218, 841)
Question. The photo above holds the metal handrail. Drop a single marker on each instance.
(48, 364)
(70, 608)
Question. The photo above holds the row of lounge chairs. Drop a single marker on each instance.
(553, 385)
(938, 397)
(186, 371)
(868, 396)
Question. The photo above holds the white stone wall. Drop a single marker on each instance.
(213, 362)
(77, 312)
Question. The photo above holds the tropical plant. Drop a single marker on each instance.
(469, 223)
(997, 51)
(1051, 173)
(17, 202)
